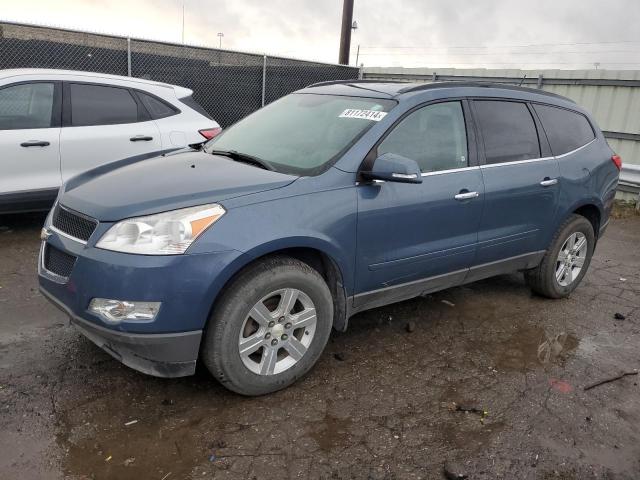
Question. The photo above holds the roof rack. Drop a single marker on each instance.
(338, 82)
(487, 84)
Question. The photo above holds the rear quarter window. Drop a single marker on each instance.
(191, 103)
(566, 130)
(157, 108)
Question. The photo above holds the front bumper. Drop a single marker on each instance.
(160, 354)
(186, 286)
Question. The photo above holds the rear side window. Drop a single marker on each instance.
(101, 105)
(566, 130)
(508, 130)
(28, 105)
(157, 108)
(191, 103)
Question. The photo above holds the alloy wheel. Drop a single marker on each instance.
(571, 259)
(277, 332)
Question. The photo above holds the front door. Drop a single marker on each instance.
(29, 144)
(414, 238)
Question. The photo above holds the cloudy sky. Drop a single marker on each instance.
(562, 34)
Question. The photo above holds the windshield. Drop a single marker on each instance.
(302, 134)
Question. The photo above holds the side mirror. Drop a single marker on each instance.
(391, 167)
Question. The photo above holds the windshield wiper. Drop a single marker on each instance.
(243, 157)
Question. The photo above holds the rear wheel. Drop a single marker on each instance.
(565, 264)
(269, 327)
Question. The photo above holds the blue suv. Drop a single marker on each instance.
(341, 197)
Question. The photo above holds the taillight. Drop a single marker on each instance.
(617, 161)
(209, 133)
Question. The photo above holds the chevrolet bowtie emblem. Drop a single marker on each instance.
(44, 234)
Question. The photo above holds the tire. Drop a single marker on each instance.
(238, 317)
(547, 279)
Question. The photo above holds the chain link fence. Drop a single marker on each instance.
(229, 85)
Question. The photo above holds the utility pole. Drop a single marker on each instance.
(345, 32)
(183, 22)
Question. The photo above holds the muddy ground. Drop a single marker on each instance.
(382, 402)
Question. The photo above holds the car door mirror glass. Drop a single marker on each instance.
(392, 167)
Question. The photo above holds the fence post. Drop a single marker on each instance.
(264, 77)
(361, 72)
(128, 56)
(540, 81)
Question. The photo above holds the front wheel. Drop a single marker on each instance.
(567, 260)
(269, 327)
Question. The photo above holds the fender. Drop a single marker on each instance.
(583, 202)
(338, 257)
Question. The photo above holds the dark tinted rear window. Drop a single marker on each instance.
(566, 130)
(190, 102)
(508, 131)
(157, 108)
(101, 105)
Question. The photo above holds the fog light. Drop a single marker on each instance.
(116, 311)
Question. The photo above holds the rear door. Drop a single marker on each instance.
(29, 140)
(101, 124)
(414, 238)
(521, 182)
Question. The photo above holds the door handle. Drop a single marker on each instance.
(35, 143)
(547, 182)
(466, 195)
(141, 138)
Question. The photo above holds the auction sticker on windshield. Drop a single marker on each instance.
(364, 114)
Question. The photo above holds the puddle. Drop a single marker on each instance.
(331, 432)
(467, 433)
(530, 347)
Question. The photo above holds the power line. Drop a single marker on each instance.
(484, 64)
(501, 53)
(505, 46)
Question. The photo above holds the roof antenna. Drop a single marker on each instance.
(522, 81)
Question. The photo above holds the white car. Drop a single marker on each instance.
(55, 124)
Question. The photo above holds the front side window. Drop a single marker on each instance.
(434, 136)
(566, 130)
(508, 130)
(101, 105)
(303, 133)
(28, 105)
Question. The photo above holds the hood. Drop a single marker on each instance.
(129, 189)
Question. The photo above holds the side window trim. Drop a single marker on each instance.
(470, 130)
(143, 113)
(543, 141)
(56, 110)
(481, 146)
(142, 116)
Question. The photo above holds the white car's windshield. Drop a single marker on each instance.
(302, 133)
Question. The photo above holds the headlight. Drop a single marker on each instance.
(168, 233)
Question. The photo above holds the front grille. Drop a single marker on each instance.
(73, 224)
(58, 262)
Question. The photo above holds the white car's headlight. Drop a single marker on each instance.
(168, 233)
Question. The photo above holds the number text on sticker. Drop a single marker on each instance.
(363, 114)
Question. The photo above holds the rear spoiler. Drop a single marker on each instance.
(182, 92)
